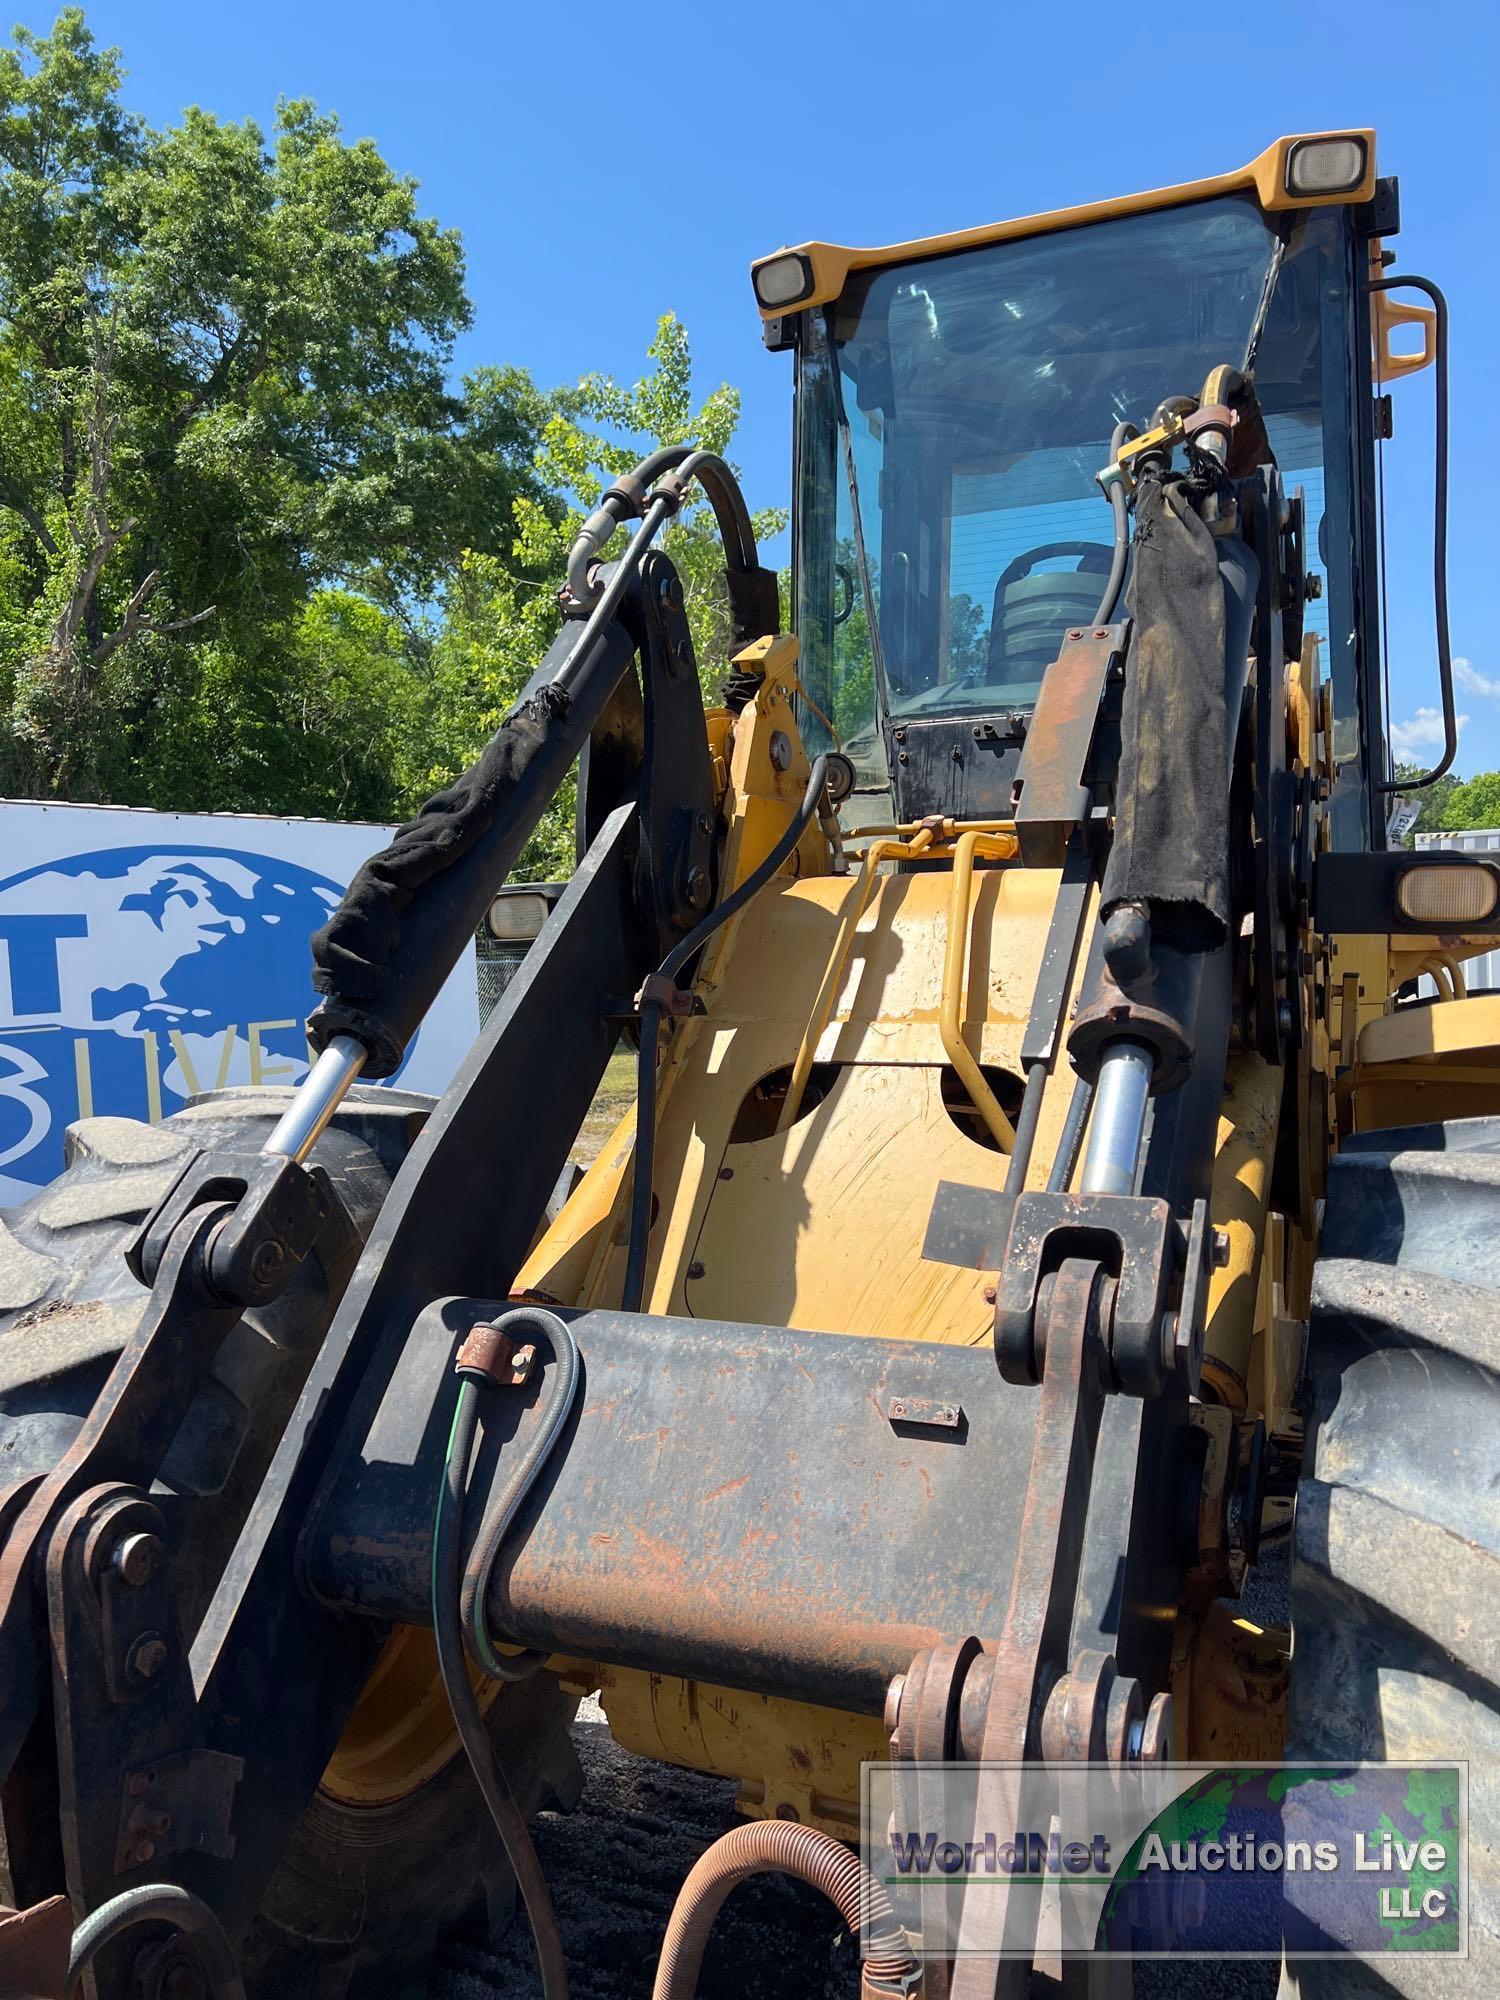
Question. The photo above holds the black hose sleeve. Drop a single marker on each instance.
(410, 912)
(163, 1903)
(510, 1821)
(651, 1013)
(1171, 839)
(561, 1390)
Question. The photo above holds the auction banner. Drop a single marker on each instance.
(145, 957)
(1012, 1861)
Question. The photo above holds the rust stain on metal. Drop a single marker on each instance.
(729, 1486)
(34, 1947)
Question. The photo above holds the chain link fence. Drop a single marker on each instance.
(496, 965)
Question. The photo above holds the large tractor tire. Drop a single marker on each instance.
(395, 1849)
(1395, 1592)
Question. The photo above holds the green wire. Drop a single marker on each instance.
(440, 1524)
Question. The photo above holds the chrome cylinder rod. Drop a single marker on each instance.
(319, 1095)
(1119, 1120)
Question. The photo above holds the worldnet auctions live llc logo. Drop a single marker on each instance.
(1299, 1861)
(134, 977)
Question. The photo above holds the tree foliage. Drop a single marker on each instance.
(1472, 802)
(1453, 804)
(256, 552)
(499, 619)
(223, 389)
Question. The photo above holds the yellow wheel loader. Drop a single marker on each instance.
(1064, 1153)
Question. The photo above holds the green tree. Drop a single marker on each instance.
(501, 613)
(223, 389)
(968, 637)
(1473, 802)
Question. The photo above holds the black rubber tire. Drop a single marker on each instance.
(1395, 1592)
(364, 1894)
(367, 1895)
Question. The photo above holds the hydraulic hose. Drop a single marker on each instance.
(651, 1013)
(1119, 507)
(1026, 1124)
(676, 465)
(162, 1903)
(1066, 1157)
(781, 1847)
(556, 1408)
(489, 1774)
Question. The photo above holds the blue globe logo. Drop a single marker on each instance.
(134, 977)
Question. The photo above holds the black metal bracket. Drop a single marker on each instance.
(136, 1780)
(278, 1211)
(1145, 1251)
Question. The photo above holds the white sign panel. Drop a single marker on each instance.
(147, 956)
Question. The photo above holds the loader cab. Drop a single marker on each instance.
(956, 398)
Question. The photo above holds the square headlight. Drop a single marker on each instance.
(783, 280)
(1325, 166)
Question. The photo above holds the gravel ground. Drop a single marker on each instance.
(617, 1861)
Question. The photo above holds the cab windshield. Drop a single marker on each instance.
(952, 415)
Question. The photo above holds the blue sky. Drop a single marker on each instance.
(607, 165)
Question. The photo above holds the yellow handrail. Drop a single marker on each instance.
(998, 847)
(854, 909)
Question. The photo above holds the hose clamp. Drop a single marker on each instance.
(489, 1355)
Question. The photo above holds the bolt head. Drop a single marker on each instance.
(137, 1559)
(267, 1262)
(147, 1657)
(781, 750)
